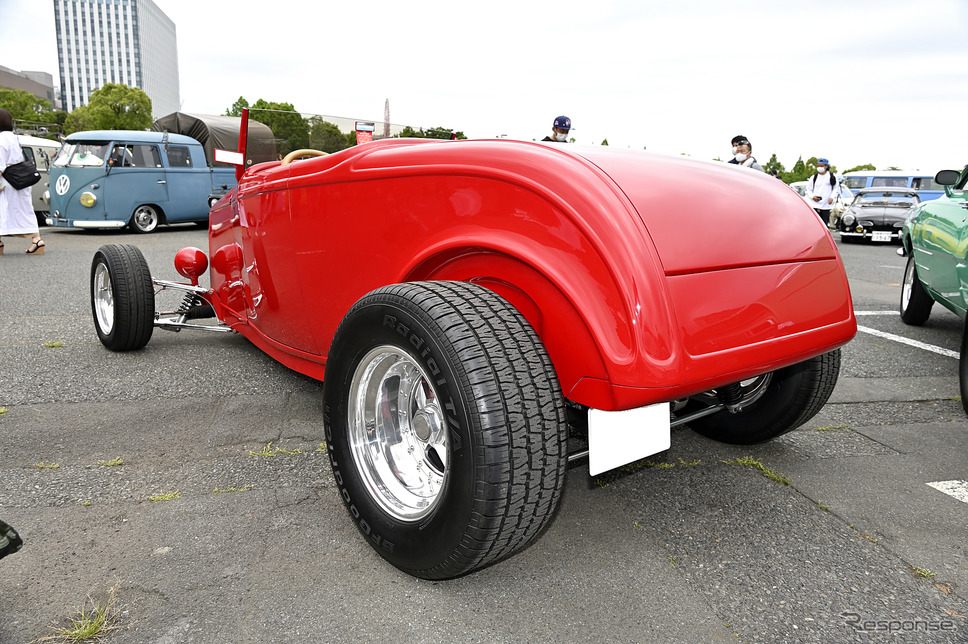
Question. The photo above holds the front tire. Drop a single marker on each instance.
(446, 426)
(916, 303)
(145, 219)
(122, 297)
(780, 402)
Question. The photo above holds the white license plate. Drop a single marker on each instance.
(881, 235)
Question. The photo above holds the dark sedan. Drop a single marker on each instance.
(878, 214)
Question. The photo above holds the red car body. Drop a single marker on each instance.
(478, 308)
(648, 278)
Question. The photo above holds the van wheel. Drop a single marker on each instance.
(144, 219)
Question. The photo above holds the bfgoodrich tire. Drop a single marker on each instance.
(122, 298)
(915, 304)
(446, 426)
(780, 402)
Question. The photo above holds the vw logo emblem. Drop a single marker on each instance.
(63, 184)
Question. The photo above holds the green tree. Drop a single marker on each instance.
(605, 142)
(79, 120)
(22, 105)
(799, 172)
(119, 107)
(867, 166)
(774, 164)
(325, 136)
(288, 126)
(430, 133)
(236, 109)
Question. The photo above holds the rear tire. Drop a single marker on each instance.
(784, 400)
(916, 303)
(122, 297)
(446, 426)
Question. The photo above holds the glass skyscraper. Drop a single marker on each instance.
(131, 42)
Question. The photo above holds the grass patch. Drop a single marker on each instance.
(923, 573)
(269, 451)
(91, 622)
(323, 447)
(690, 463)
(827, 428)
(114, 462)
(822, 506)
(3, 410)
(749, 461)
(661, 466)
(45, 466)
(53, 344)
(165, 496)
(228, 490)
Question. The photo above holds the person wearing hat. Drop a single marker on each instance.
(743, 153)
(821, 190)
(559, 130)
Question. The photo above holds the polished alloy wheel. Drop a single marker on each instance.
(397, 433)
(103, 299)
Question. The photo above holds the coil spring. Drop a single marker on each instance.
(731, 396)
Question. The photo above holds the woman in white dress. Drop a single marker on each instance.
(17, 217)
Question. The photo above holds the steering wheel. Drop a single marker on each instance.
(306, 152)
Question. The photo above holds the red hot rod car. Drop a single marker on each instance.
(470, 304)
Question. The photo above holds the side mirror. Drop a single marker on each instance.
(947, 177)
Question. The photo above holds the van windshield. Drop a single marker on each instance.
(78, 155)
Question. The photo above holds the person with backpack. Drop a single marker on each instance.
(822, 188)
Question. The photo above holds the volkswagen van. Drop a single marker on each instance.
(923, 182)
(119, 178)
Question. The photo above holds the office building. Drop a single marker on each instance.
(130, 42)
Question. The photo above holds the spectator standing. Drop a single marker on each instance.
(559, 130)
(743, 153)
(821, 190)
(17, 218)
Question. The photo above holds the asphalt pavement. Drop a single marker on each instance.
(246, 539)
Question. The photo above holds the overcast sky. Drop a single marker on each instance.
(865, 81)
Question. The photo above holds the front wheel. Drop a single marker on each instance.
(122, 297)
(145, 219)
(772, 404)
(446, 426)
(915, 304)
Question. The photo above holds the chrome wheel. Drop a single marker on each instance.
(145, 219)
(103, 299)
(908, 285)
(397, 434)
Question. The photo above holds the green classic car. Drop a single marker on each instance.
(935, 241)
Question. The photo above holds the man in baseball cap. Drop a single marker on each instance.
(559, 130)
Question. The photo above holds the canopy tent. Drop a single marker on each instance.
(220, 132)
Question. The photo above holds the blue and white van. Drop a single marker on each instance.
(921, 181)
(118, 178)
